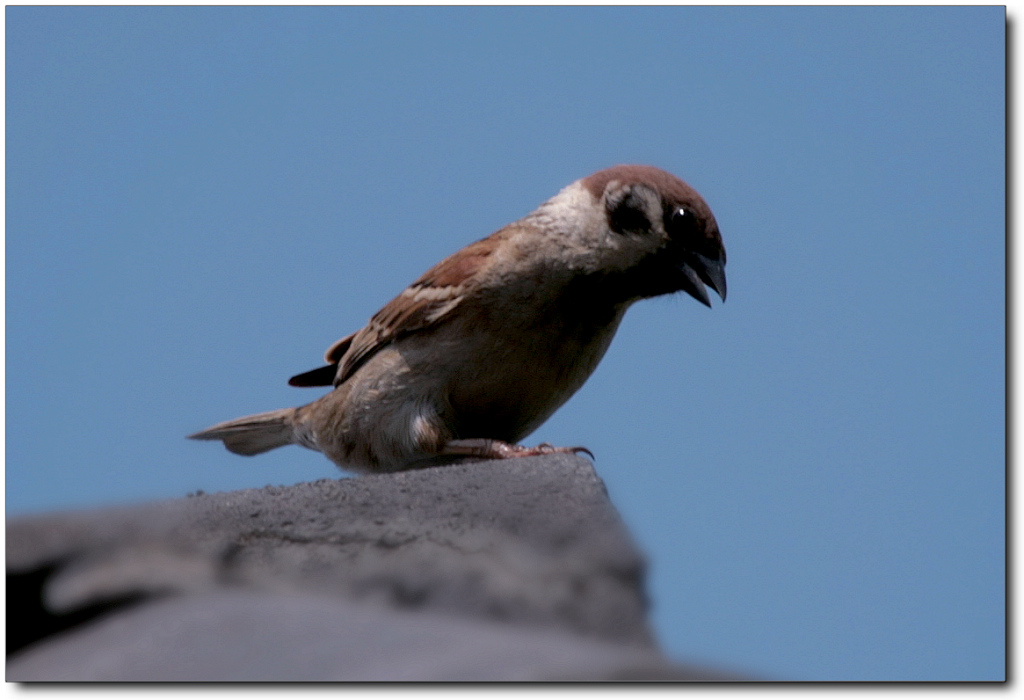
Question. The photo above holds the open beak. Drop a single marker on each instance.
(699, 270)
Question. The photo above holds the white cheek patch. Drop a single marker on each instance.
(569, 212)
(576, 229)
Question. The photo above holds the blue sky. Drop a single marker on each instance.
(201, 200)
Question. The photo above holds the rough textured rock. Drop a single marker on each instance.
(494, 570)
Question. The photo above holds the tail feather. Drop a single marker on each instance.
(251, 435)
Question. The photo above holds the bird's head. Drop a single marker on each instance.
(645, 229)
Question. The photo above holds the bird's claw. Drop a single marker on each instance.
(548, 448)
(496, 449)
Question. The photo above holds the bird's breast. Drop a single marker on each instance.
(516, 375)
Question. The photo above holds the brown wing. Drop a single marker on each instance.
(421, 305)
(340, 347)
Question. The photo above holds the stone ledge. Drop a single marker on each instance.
(517, 569)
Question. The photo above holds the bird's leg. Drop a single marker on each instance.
(496, 449)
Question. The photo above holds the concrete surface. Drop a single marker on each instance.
(496, 570)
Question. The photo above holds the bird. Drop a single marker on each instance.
(486, 345)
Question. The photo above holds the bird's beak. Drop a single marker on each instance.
(699, 270)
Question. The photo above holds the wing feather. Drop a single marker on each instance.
(421, 305)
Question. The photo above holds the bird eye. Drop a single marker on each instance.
(680, 216)
(681, 223)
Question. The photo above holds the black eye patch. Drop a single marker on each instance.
(628, 216)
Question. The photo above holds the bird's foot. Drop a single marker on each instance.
(496, 449)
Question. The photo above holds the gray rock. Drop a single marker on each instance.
(516, 569)
(257, 636)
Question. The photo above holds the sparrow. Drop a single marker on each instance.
(479, 351)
